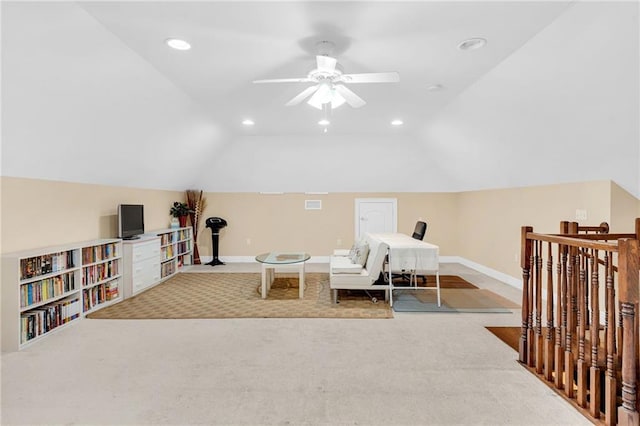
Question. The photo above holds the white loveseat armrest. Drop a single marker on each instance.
(344, 275)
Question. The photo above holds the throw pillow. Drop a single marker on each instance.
(362, 252)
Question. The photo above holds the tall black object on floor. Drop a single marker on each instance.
(215, 224)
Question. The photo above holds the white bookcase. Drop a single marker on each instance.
(176, 250)
(46, 289)
(155, 257)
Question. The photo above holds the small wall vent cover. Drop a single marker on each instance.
(313, 204)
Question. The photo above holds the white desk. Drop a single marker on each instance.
(414, 256)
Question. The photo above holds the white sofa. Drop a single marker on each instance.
(346, 275)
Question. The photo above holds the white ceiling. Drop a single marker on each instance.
(234, 43)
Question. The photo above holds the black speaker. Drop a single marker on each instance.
(215, 224)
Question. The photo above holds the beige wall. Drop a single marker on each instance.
(490, 221)
(280, 221)
(623, 210)
(482, 226)
(40, 213)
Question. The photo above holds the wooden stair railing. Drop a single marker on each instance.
(589, 304)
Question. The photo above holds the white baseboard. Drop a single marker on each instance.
(251, 259)
(500, 276)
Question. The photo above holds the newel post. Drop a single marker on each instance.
(628, 283)
(525, 255)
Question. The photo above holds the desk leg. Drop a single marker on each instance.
(390, 283)
(301, 281)
(438, 286)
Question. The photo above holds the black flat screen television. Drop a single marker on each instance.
(130, 221)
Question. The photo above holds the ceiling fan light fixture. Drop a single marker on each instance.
(248, 122)
(397, 122)
(472, 43)
(336, 100)
(176, 43)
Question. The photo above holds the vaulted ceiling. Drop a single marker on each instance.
(91, 93)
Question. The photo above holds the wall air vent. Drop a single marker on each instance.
(313, 204)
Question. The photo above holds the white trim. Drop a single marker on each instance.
(252, 259)
(500, 276)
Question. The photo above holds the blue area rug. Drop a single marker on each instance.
(453, 301)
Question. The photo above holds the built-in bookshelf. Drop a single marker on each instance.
(176, 249)
(44, 290)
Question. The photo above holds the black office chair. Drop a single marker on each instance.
(419, 231)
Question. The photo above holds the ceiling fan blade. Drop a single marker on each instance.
(302, 95)
(352, 99)
(285, 80)
(371, 77)
(326, 63)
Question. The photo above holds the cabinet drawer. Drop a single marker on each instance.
(145, 250)
(145, 267)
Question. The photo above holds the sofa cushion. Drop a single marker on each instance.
(343, 265)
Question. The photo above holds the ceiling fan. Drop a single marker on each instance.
(329, 89)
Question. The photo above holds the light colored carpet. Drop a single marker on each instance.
(236, 295)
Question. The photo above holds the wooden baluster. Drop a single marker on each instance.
(582, 366)
(550, 336)
(610, 381)
(539, 339)
(628, 285)
(525, 252)
(531, 356)
(569, 361)
(561, 306)
(594, 403)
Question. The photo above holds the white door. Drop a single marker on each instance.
(376, 215)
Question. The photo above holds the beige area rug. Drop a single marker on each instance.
(236, 295)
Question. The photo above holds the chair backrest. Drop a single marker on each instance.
(420, 230)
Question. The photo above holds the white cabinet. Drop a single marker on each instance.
(46, 289)
(141, 264)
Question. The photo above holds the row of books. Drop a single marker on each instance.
(40, 291)
(98, 253)
(184, 246)
(99, 294)
(100, 272)
(46, 264)
(167, 269)
(42, 320)
(167, 252)
(172, 237)
(167, 238)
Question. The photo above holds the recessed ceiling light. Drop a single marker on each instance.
(248, 122)
(177, 44)
(324, 122)
(435, 87)
(397, 123)
(472, 43)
